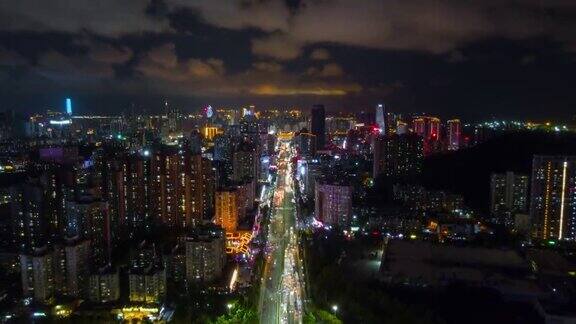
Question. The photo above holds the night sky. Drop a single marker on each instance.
(475, 59)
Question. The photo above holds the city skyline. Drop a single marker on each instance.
(288, 161)
(504, 59)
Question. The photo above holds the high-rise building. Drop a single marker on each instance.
(199, 189)
(429, 129)
(333, 202)
(137, 171)
(28, 221)
(553, 197)
(380, 119)
(174, 119)
(508, 193)
(69, 106)
(249, 128)
(37, 270)
(398, 155)
(104, 285)
(306, 144)
(454, 134)
(77, 263)
(165, 188)
(246, 194)
(89, 218)
(114, 192)
(205, 254)
(147, 277)
(245, 162)
(318, 125)
(229, 209)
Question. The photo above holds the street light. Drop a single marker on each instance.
(335, 308)
(229, 306)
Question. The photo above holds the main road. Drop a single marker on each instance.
(282, 283)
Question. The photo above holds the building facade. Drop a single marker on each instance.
(553, 197)
(333, 202)
(508, 193)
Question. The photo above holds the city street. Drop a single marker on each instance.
(281, 292)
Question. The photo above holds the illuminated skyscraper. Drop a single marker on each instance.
(229, 209)
(380, 120)
(553, 197)
(429, 129)
(454, 134)
(318, 125)
(69, 106)
(333, 203)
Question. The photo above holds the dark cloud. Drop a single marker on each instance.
(445, 55)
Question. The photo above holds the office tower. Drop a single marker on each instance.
(318, 125)
(306, 143)
(69, 106)
(77, 267)
(26, 212)
(454, 134)
(333, 202)
(398, 155)
(147, 276)
(380, 120)
(37, 270)
(229, 209)
(205, 254)
(553, 197)
(104, 285)
(508, 193)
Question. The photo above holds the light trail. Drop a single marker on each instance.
(281, 292)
